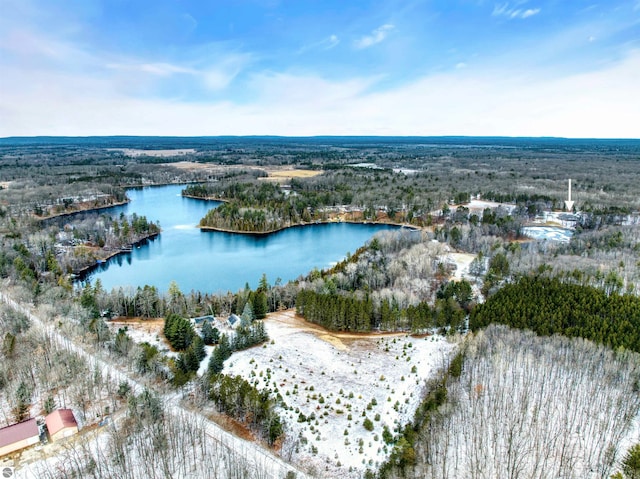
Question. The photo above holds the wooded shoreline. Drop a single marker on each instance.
(82, 273)
(301, 225)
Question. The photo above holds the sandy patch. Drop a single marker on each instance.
(192, 165)
(293, 173)
(462, 262)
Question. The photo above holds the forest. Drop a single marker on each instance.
(548, 306)
(527, 406)
(547, 331)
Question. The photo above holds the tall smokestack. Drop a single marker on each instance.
(569, 204)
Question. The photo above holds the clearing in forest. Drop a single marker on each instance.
(341, 391)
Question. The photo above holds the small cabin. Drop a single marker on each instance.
(61, 423)
(19, 436)
(201, 319)
(234, 321)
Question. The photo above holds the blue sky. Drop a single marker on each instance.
(252, 67)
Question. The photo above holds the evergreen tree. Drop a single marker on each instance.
(178, 331)
(259, 304)
(247, 316)
(210, 335)
(49, 405)
(23, 402)
(197, 345)
(631, 463)
(263, 286)
(221, 352)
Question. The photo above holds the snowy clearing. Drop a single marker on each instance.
(462, 261)
(551, 233)
(331, 382)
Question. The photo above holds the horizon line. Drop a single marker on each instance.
(257, 136)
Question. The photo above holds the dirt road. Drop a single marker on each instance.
(264, 462)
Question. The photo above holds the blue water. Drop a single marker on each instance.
(218, 262)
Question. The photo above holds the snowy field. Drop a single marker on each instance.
(332, 382)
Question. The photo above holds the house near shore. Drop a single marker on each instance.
(201, 319)
(234, 321)
(19, 436)
(61, 423)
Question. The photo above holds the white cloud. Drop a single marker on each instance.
(378, 35)
(498, 101)
(513, 12)
(221, 74)
(530, 12)
(308, 92)
(159, 69)
(327, 43)
(331, 42)
(214, 77)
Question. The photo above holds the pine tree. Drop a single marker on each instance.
(247, 316)
(49, 405)
(631, 463)
(210, 335)
(260, 306)
(23, 402)
(198, 348)
(221, 352)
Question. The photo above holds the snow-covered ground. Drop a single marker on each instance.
(253, 455)
(477, 206)
(462, 261)
(331, 382)
(551, 233)
(143, 331)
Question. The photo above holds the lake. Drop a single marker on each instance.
(218, 262)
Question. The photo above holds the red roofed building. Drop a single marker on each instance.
(18, 436)
(61, 423)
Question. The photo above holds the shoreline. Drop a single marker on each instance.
(85, 211)
(208, 198)
(82, 273)
(299, 225)
(277, 230)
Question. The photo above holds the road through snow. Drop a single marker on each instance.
(262, 460)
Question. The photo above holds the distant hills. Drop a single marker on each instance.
(156, 142)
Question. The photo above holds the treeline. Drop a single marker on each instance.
(348, 312)
(336, 312)
(262, 206)
(132, 228)
(236, 397)
(63, 247)
(403, 455)
(523, 405)
(229, 216)
(259, 207)
(549, 306)
(148, 302)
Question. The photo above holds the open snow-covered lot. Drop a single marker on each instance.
(332, 383)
